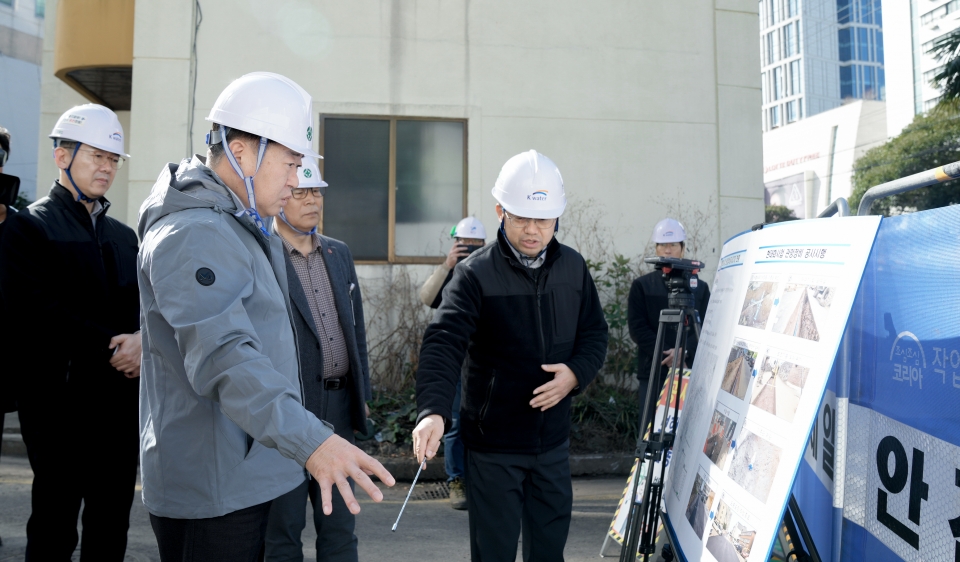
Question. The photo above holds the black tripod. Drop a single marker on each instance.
(680, 277)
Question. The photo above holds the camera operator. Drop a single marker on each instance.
(648, 296)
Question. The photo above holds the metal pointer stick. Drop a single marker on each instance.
(404, 506)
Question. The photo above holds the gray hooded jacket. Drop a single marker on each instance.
(222, 425)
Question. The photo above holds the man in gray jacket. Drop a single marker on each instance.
(223, 427)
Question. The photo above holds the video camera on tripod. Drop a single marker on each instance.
(680, 278)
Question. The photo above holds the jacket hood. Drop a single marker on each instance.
(187, 185)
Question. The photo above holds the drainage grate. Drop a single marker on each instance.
(431, 491)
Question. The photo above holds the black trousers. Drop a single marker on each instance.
(83, 441)
(234, 537)
(336, 541)
(507, 492)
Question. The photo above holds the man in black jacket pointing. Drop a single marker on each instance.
(525, 313)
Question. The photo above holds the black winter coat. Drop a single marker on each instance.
(508, 320)
(69, 288)
(648, 296)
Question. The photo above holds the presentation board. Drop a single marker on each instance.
(781, 298)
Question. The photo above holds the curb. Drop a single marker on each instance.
(12, 445)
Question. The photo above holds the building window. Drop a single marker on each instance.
(847, 82)
(866, 11)
(844, 7)
(792, 8)
(789, 40)
(795, 84)
(879, 45)
(774, 116)
(770, 49)
(792, 114)
(6, 2)
(396, 185)
(40, 8)
(930, 104)
(763, 88)
(863, 44)
(869, 83)
(773, 8)
(846, 44)
(941, 12)
(778, 83)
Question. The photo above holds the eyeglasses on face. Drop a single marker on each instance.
(523, 222)
(301, 192)
(100, 158)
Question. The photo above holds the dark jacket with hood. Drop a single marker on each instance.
(508, 320)
(65, 278)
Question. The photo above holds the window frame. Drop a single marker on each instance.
(392, 257)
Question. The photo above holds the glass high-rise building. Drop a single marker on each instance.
(817, 54)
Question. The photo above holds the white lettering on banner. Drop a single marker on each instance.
(821, 447)
(910, 359)
(948, 361)
(903, 486)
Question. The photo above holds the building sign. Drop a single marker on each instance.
(787, 192)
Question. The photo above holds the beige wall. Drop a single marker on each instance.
(639, 103)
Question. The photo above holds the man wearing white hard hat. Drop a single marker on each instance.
(469, 235)
(327, 312)
(525, 314)
(648, 296)
(224, 430)
(70, 280)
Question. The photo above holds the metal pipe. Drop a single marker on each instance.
(923, 179)
(838, 207)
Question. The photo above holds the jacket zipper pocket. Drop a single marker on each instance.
(486, 404)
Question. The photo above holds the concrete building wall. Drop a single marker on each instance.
(824, 148)
(637, 117)
(21, 45)
(606, 90)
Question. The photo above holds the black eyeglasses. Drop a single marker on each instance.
(301, 192)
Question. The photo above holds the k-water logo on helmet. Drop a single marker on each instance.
(307, 173)
(116, 136)
(540, 195)
(309, 133)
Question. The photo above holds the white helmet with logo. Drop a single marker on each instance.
(92, 125)
(470, 227)
(268, 105)
(309, 174)
(530, 185)
(667, 231)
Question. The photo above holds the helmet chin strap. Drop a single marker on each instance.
(81, 197)
(251, 210)
(283, 217)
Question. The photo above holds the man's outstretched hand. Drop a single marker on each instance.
(334, 461)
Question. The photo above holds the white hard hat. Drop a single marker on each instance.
(268, 105)
(93, 125)
(309, 174)
(667, 231)
(470, 227)
(530, 186)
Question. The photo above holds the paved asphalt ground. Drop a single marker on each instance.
(429, 530)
